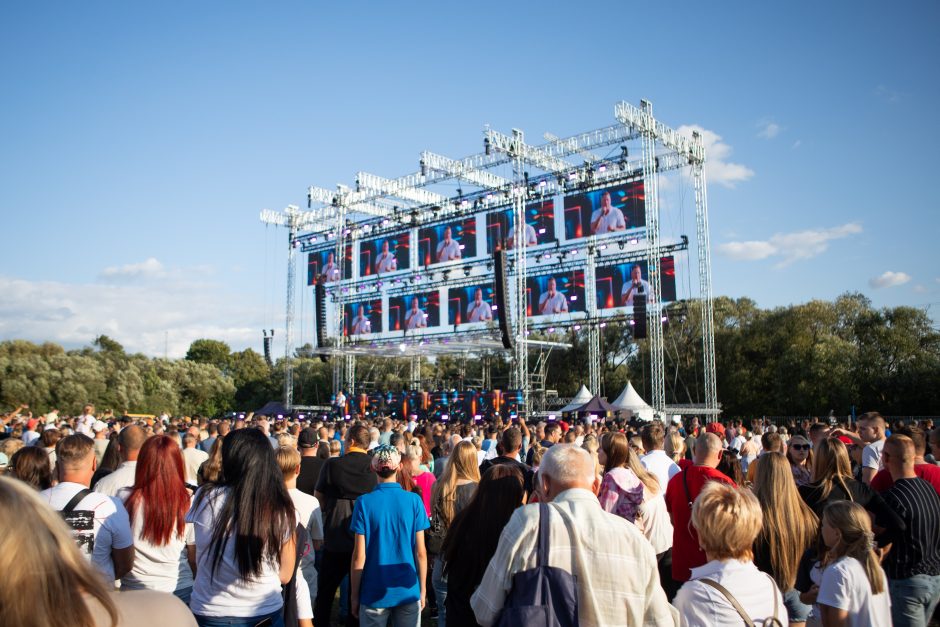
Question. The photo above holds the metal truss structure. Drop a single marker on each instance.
(378, 206)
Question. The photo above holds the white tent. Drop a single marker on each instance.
(630, 401)
(582, 397)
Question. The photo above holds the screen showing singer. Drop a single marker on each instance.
(636, 286)
(479, 310)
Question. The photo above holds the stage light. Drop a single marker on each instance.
(664, 319)
(620, 244)
(602, 167)
(574, 298)
(632, 322)
(467, 270)
(602, 247)
(603, 324)
(494, 307)
(542, 183)
(402, 347)
(577, 327)
(551, 329)
(541, 231)
(635, 240)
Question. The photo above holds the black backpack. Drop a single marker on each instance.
(82, 523)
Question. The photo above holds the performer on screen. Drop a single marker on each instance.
(361, 323)
(448, 249)
(331, 270)
(636, 286)
(479, 310)
(552, 302)
(386, 261)
(416, 319)
(608, 218)
(529, 234)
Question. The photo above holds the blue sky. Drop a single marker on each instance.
(140, 142)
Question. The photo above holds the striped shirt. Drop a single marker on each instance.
(916, 549)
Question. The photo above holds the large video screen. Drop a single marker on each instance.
(471, 304)
(539, 227)
(362, 318)
(414, 311)
(555, 294)
(448, 242)
(324, 262)
(609, 210)
(387, 254)
(617, 285)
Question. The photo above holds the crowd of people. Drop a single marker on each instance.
(121, 520)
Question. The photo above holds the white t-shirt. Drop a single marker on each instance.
(629, 299)
(479, 312)
(386, 263)
(111, 529)
(550, 304)
(225, 593)
(701, 605)
(871, 455)
(529, 234)
(29, 438)
(308, 512)
(331, 272)
(657, 526)
(192, 460)
(661, 465)
(845, 586)
(448, 251)
(361, 325)
(415, 319)
(123, 477)
(613, 221)
(162, 568)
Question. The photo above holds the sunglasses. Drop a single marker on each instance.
(800, 447)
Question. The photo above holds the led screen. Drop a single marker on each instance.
(555, 294)
(618, 208)
(471, 304)
(387, 254)
(324, 262)
(617, 285)
(362, 318)
(540, 226)
(414, 311)
(448, 242)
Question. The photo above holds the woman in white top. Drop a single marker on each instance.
(245, 537)
(852, 589)
(157, 505)
(727, 521)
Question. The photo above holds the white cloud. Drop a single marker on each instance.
(889, 279)
(797, 144)
(162, 304)
(768, 130)
(717, 168)
(920, 289)
(789, 247)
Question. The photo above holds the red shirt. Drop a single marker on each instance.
(882, 482)
(686, 553)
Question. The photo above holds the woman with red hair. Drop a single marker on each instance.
(157, 506)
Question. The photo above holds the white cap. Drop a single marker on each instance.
(99, 426)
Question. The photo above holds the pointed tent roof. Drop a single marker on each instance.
(583, 396)
(630, 400)
(596, 405)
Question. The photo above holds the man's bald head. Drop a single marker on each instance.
(129, 442)
(707, 450)
(899, 455)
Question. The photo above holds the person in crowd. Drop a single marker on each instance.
(193, 457)
(913, 563)
(308, 515)
(342, 481)
(245, 537)
(552, 436)
(632, 492)
(109, 461)
(832, 481)
(31, 436)
(156, 504)
(30, 465)
(800, 456)
(656, 460)
(871, 435)
(617, 579)
(10, 446)
(47, 442)
(771, 442)
(449, 496)
(312, 459)
(511, 447)
(385, 434)
(389, 561)
(423, 478)
(683, 489)
(883, 482)
(727, 521)
(61, 588)
(427, 458)
(749, 450)
(935, 445)
(789, 529)
(473, 535)
(212, 432)
(100, 429)
(851, 590)
(210, 469)
(104, 535)
(130, 439)
(590, 444)
(675, 448)
(817, 433)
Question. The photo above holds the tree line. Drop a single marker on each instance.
(802, 359)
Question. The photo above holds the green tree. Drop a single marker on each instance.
(213, 352)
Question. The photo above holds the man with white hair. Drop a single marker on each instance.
(617, 578)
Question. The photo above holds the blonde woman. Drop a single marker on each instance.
(592, 446)
(675, 446)
(62, 587)
(800, 456)
(851, 582)
(789, 529)
(728, 521)
(449, 496)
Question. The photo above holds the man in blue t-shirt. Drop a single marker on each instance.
(389, 561)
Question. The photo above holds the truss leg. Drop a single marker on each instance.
(705, 283)
(415, 372)
(521, 361)
(350, 376)
(289, 320)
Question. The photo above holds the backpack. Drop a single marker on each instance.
(773, 621)
(82, 523)
(544, 595)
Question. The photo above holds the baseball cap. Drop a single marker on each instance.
(31, 423)
(385, 457)
(308, 438)
(846, 439)
(99, 426)
(715, 427)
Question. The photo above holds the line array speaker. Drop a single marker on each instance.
(501, 287)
